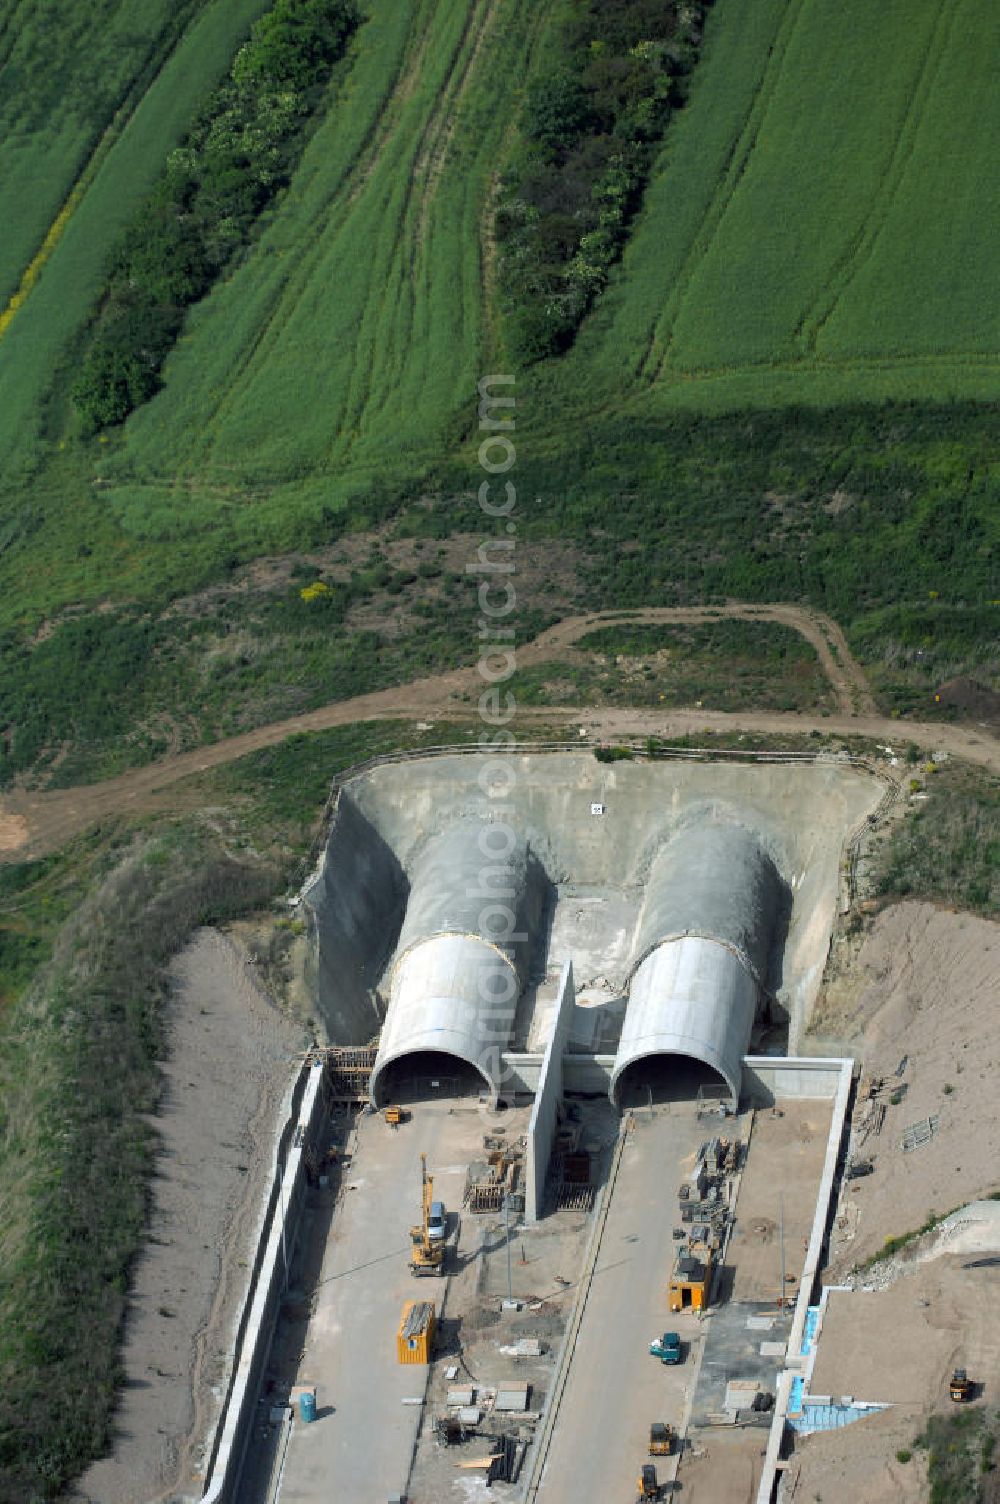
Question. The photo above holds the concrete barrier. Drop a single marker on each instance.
(265, 1287)
(590, 1075)
(772, 1078)
(795, 1361)
(542, 1124)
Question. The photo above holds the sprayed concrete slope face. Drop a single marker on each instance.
(703, 951)
(476, 899)
(354, 905)
(599, 866)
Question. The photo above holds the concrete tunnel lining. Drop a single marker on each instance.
(463, 953)
(690, 997)
(702, 947)
(439, 1006)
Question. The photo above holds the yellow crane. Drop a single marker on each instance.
(426, 1253)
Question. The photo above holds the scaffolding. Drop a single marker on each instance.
(491, 1182)
(349, 1071)
(714, 1099)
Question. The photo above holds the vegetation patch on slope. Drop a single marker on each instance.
(723, 665)
(78, 1080)
(915, 651)
(35, 899)
(589, 128)
(961, 1456)
(106, 690)
(948, 846)
(233, 162)
(849, 508)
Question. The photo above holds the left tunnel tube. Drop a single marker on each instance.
(463, 952)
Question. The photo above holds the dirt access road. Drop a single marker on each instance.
(35, 822)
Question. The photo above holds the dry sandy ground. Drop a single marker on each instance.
(773, 1205)
(228, 1069)
(925, 986)
(725, 1468)
(898, 1346)
(858, 1466)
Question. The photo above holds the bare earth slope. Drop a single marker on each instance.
(229, 1065)
(925, 986)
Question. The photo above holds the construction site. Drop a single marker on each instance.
(564, 1164)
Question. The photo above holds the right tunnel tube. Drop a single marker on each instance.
(708, 921)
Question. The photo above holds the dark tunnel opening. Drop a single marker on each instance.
(665, 1077)
(428, 1076)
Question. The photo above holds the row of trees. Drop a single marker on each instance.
(204, 209)
(589, 132)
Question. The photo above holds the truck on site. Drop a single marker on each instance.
(667, 1347)
(427, 1244)
(661, 1439)
(648, 1483)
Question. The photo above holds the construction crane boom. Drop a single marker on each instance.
(426, 1255)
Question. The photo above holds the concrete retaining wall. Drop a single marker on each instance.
(766, 1078)
(265, 1288)
(589, 1075)
(773, 1078)
(354, 904)
(795, 1361)
(542, 1124)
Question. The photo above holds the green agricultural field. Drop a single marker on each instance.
(38, 338)
(356, 329)
(328, 385)
(66, 72)
(819, 228)
(824, 216)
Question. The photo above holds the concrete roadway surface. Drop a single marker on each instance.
(615, 1389)
(359, 1448)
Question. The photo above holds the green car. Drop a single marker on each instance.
(667, 1348)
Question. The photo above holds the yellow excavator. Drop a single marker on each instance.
(426, 1253)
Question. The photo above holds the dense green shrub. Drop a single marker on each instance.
(588, 132)
(235, 159)
(614, 754)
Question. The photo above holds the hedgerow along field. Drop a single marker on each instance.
(39, 339)
(823, 218)
(774, 262)
(355, 330)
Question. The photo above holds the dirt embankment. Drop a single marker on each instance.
(229, 1065)
(924, 988)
